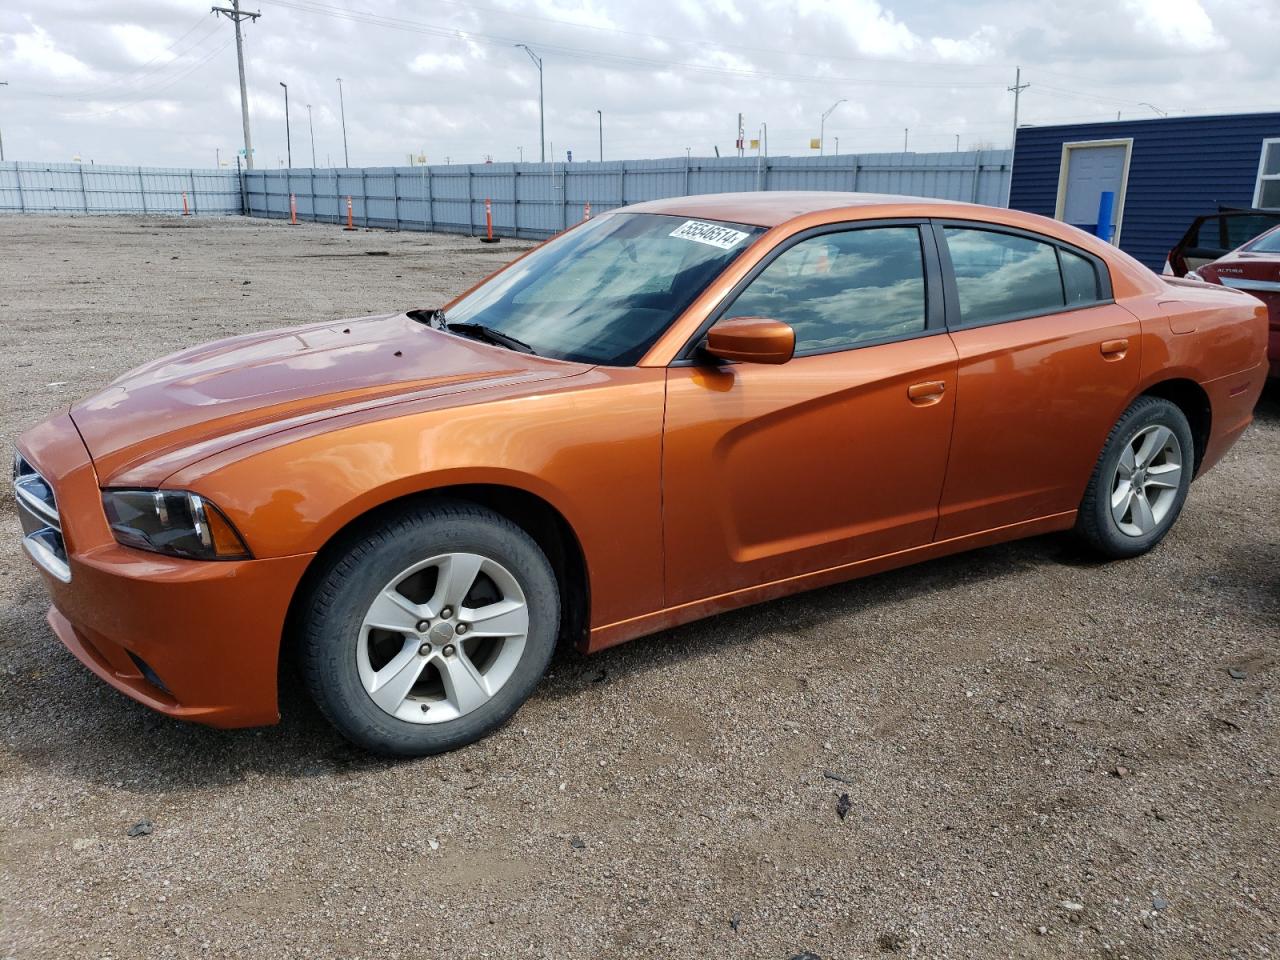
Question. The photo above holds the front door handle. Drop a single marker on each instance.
(926, 394)
(1114, 349)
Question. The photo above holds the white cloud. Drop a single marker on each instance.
(447, 80)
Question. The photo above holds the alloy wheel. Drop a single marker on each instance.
(442, 638)
(1147, 478)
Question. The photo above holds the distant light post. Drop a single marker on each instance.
(288, 138)
(521, 149)
(822, 126)
(3, 83)
(600, 118)
(346, 157)
(542, 114)
(1163, 113)
(837, 140)
(311, 123)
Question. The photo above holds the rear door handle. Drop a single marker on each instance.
(1114, 349)
(927, 393)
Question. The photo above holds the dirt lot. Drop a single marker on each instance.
(1043, 757)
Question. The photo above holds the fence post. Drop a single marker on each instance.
(142, 190)
(564, 197)
(854, 185)
(622, 185)
(337, 200)
(364, 194)
(395, 194)
(515, 200)
(84, 192)
(686, 176)
(17, 175)
(471, 212)
(195, 205)
(977, 174)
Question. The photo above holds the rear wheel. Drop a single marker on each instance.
(1141, 480)
(429, 631)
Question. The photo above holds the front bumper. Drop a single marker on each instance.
(195, 640)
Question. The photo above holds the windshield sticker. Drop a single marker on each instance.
(711, 234)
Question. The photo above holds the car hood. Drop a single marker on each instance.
(213, 396)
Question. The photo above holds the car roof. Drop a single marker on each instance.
(801, 209)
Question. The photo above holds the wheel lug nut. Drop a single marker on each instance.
(448, 651)
(462, 628)
(422, 626)
(446, 613)
(425, 650)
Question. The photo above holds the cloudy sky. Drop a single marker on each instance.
(154, 81)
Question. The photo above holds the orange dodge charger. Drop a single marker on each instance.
(672, 410)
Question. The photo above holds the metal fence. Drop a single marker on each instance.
(94, 188)
(536, 200)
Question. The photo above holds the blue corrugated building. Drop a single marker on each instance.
(1164, 173)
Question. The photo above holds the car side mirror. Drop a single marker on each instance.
(751, 340)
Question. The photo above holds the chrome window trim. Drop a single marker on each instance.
(1243, 283)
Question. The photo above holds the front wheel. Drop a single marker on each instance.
(426, 632)
(1140, 482)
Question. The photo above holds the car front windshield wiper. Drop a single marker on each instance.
(479, 331)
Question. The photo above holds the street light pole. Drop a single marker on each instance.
(822, 126)
(311, 123)
(600, 117)
(346, 158)
(542, 113)
(3, 83)
(288, 137)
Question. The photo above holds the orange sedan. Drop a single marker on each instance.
(672, 410)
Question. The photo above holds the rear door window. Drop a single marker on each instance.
(1079, 278)
(1002, 276)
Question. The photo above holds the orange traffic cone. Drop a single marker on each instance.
(186, 211)
(586, 211)
(293, 210)
(488, 223)
(350, 225)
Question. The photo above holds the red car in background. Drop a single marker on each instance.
(1254, 268)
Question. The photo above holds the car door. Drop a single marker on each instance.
(773, 471)
(1047, 363)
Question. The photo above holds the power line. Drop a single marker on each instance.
(150, 93)
(471, 36)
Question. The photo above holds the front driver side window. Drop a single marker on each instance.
(845, 289)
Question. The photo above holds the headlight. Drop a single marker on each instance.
(175, 522)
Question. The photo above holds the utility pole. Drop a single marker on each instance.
(957, 143)
(521, 149)
(3, 83)
(741, 136)
(906, 136)
(1016, 90)
(346, 158)
(288, 138)
(600, 117)
(312, 125)
(542, 114)
(234, 14)
(822, 126)
(837, 140)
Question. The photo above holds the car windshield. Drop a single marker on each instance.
(1267, 243)
(604, 291)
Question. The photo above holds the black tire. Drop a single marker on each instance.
(329, 621)
(1095, 523)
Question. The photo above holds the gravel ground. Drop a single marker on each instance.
(1036, 755)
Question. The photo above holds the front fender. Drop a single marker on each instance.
(592, 452)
